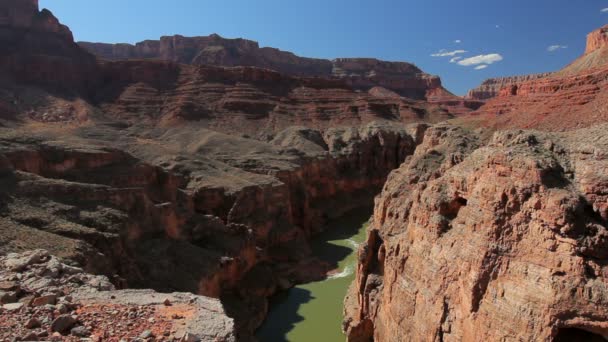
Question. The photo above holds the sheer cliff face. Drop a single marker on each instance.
(476, 239)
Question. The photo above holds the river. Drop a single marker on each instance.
(313, 312)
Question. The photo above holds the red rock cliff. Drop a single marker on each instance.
(488, 240)
(491, 87)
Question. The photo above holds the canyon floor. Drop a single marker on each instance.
(175, 189)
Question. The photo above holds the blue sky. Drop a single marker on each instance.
(516, 34)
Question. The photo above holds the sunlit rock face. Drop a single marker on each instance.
(488, 238)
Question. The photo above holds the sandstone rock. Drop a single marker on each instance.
(80, 332)
(30, 337)
(188, 337)
(45, 300)
(12, 306)
(7, 297)
(33, 323)
(63, 323)
(19, 263)
(146, 334)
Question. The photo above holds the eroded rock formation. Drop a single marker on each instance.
(488, 239)
(492, 87)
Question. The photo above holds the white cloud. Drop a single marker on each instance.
(458, 41)
(480, 67)
(556, 47)
(604, 10)
(455, 59)
(481, 59)
(444, 53)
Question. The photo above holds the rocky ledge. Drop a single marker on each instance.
(44, 299)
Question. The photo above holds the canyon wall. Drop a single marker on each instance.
(360, 73)
(492, 87)
(231, 223)
(478, 238)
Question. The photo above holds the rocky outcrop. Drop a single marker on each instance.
(359, 73)
(43, 298)
(492, 87)
(597, 39)
(498, 240)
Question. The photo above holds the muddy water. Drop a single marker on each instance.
(313, 312)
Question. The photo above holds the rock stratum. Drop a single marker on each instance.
(359, 73)
(492, 87)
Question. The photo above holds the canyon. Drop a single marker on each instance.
(183, 180)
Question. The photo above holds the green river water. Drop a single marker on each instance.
(313, 312)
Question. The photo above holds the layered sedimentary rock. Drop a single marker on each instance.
(212, 50)
(571, 98)
(245, 100)
(360, 73)
(492, 87)
(488, 239)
